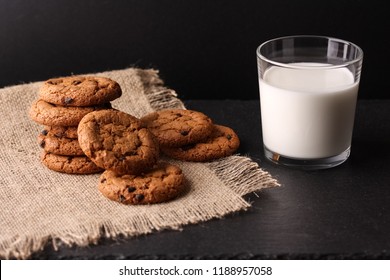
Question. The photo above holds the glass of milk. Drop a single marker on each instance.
(308, 92)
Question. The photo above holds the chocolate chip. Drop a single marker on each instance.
(44, 132)
(228, 137)
(54, 81)
(42, 144)
(131, 189)
(121, 198)
(184, 132)
(103, 180)
(75, 83)
(139, 197)
(68, 100)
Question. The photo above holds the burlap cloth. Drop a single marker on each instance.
(38, 205)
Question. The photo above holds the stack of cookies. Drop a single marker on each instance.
(61, 104)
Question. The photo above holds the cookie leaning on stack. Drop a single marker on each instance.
(117, 141)
(62, 103)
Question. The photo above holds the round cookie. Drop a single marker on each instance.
(69, 164)
(164, 182)
(60, 131)
(49, 114)
(117, 141)
(222, 142)
(178, 127)
(79, 91)
(60, 145)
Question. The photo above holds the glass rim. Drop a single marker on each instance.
(333, 66)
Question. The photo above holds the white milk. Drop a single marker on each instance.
(307, 113)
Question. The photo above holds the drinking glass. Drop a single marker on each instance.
(308, 92)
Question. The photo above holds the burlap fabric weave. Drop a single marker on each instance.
(38, 205)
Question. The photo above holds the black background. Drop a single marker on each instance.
(203, 49)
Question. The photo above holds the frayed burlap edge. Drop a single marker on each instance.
(159, 96)
(242, 174)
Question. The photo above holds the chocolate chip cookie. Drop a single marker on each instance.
(117, 141)
(178, 127)
(60, 145)
(60, 131)
(222, 142)
(79, 91)
(69, 164)
(161, 183)
(50, 114)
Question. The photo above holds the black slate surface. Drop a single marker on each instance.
(339, 213)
